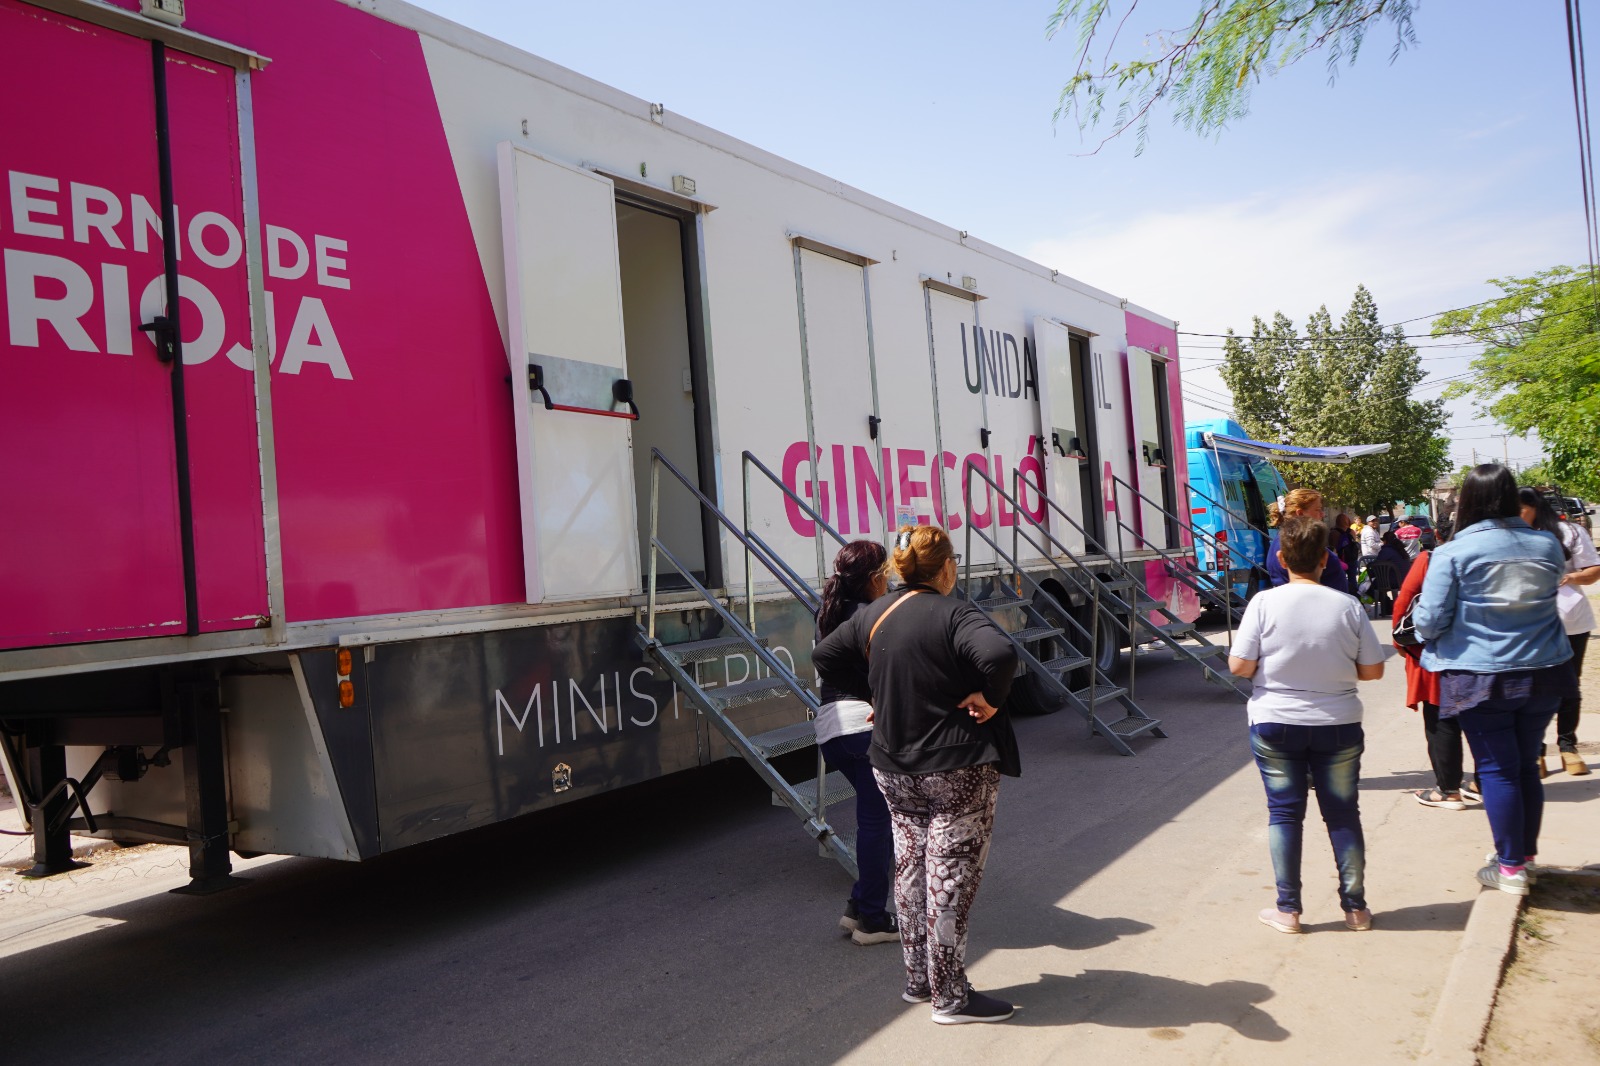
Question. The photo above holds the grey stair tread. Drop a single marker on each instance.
(1002, 602)
(1131, 726)
(1176, 629)
(1115, 583)
(1145, 603)
(785, 739)
(1066, 662)
(836, 788)
(1035, 633)
(1200, 651)
(747, 692)
(1102, 693)
(699, 651)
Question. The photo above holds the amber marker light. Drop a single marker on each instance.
(347, 693)
(344, 661)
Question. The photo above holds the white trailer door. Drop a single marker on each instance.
(1151, 452)
(957, 349)
(1065, 454)
(841, 388)
(564, 318)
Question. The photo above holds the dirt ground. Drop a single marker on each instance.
(1547, 1010)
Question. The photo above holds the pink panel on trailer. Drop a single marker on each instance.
(1151, 336)
(87, 478)
(396, 460)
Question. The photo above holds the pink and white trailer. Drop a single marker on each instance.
(339, 345)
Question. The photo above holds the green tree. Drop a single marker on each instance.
(1540, 367)
(1207, 69)
(1349, 384)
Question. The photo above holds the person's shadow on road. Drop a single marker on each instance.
(1130, 1000)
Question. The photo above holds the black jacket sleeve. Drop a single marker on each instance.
(980, 642)
(841, 655)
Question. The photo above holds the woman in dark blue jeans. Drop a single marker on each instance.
(1494, 636)
(1306, 645)
(844, 731)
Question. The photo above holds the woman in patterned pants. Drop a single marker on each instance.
(938, 670)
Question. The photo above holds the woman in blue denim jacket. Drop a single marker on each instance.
(1487, 613)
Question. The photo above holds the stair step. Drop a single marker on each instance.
(1102, 693)
(788, 738)
(1145, 603)
(1066, 662)
(1132, 726)
(747, 692)
(1176, 629)
(836, 788)
(1002, 602)
(1034, 633)
(1202, 651)
(1116, 584)
(699, 651)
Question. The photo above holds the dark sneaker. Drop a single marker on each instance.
(1491, 877)
(911, 996)
(876, 930)
(852, 918)
(979, 1008)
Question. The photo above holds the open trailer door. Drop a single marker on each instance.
(569, 379)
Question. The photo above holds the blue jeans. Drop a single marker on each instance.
(1506, 737)
(1290, 757)
(874, 840)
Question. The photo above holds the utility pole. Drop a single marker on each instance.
(1505, 447)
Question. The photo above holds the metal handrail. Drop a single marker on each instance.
(748, 459)
(777, 668)
(1092, 633)
(1114, 563)
(796, 586)
(776, 566)
(1174, 562)
(1189, 526)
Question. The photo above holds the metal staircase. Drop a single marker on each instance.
(809, 800)
(1051, 662)
(1181, 569)
(1123, 594)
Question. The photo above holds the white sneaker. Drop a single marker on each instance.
(1492, 877)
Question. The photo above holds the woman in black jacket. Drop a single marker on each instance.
(938, 671)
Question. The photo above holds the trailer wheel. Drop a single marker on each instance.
(1108, 653)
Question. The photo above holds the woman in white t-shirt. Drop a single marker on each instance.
(1577, 617)
(1306, 646)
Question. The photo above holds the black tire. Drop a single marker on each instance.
(1109, 647)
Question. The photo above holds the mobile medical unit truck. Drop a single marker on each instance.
(378, 401)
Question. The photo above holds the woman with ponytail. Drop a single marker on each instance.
(844, 732)
(938, 672)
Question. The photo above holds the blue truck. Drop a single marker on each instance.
(1231, 481)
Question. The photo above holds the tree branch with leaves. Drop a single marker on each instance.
(1207, 69)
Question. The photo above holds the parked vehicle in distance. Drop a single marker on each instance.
(1429, 538)
(1575, 510)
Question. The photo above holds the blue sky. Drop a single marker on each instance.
(1421, 178)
